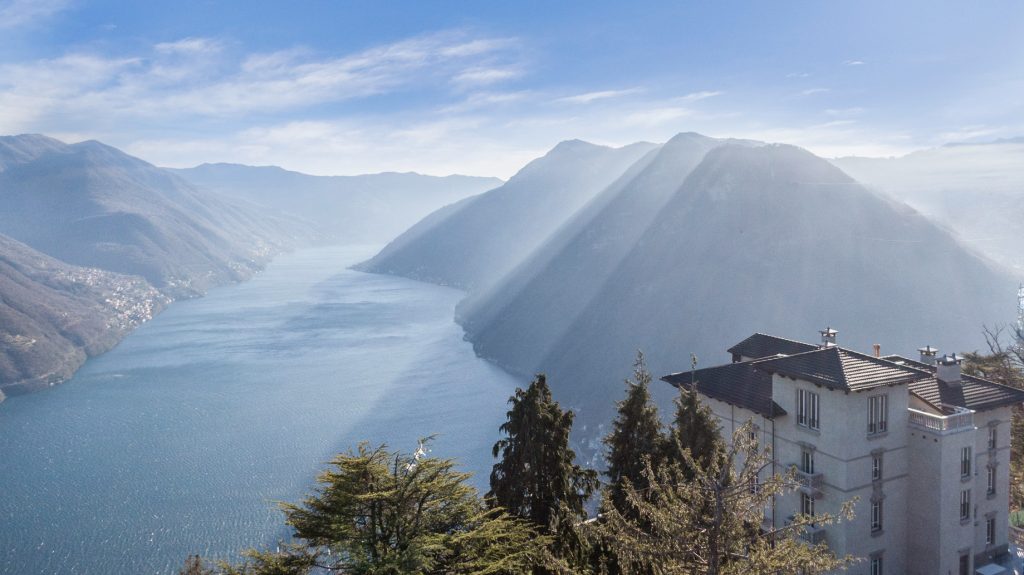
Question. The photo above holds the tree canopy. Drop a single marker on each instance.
(379, 512)
(537, 477)
(709, 521)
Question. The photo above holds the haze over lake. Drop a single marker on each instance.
(181, 439)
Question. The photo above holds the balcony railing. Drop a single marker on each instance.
(810, 483)
(814, 535)
(961, 419)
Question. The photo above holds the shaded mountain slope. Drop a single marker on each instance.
(758, 238)
(475, 242)
(366, 208)
(54, 315)
(92, 205)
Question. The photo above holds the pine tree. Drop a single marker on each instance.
(695, 430)
(636, 437)
(537, 477)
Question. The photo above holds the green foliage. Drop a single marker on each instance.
(695, 431)
(636, 437)
(384, 513)
(537, 477)
(708, 520)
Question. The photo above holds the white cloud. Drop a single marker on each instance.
(968, 133)
(697, 96)
(853, 63)
(482, 76)
(195, 77)
(188, 46)
(813, 91)
(656, 116)
(589, 97)
(17, 13)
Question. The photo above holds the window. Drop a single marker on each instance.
(991, 480)
(878, 414)
(807, 408)
(806, 505)
(876, 566)
(965, 505)
(965, 462)
(876, 467)
(990, 531)
(807, 460)
(876, 515)
(992, 437)
(753, 485)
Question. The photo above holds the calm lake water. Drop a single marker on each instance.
(181, 439)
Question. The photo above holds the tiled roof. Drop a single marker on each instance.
(762, 345)
(973, 392)
(737, 384)
(842, 369)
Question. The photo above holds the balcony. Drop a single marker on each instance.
(813, 535)
(810, 483)
(961, 419)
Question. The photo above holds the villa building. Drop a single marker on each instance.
(923, 448)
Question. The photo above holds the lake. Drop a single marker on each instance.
(182, 439)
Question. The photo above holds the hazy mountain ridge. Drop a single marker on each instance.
(365, 208)
(92, 205)
(756, 237)
(54, 315)
(475, 242)
(977, 190)
(94, 242)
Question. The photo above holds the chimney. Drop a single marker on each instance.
(828, 337)
(928, 354)
(948, 369)
(878, 350)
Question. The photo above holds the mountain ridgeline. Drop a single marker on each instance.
(92, 205)
(701, 243)
(371, 208)
(473, 242)
(977, 190)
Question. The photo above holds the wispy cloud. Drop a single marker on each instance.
(483, 76)
(188, 46)
(813, 91)
(589, 97)
(17, 13)
(656, 116)
(697, 96)
(853, 63)
(195, 77)
(969, 133)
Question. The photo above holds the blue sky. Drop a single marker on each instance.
(482, 87)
